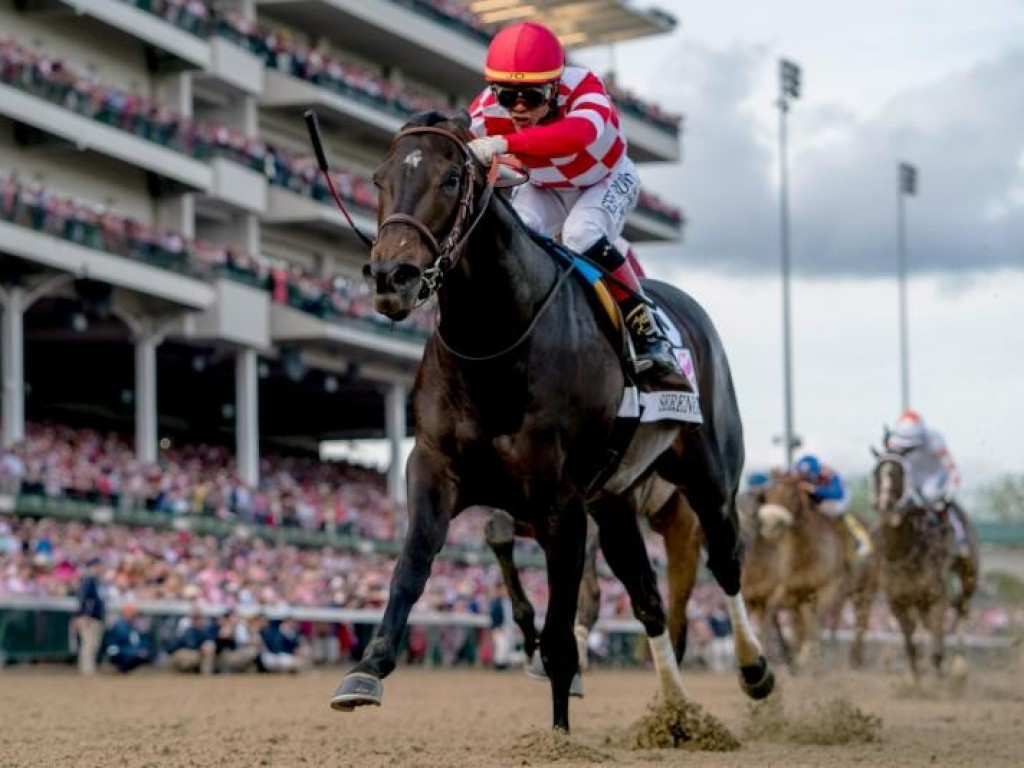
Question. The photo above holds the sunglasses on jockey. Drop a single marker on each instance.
(531, 95)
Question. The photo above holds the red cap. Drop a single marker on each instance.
(524, 53)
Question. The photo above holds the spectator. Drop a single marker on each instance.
(92, 611)
(238, 645)
(502, 627)
(195, 647)
(283, 648)
(126, 649)
(720, 647)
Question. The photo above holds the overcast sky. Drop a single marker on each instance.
(938, 83)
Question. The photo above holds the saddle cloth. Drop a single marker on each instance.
(640, 402)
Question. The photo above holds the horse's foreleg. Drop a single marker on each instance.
(430, 512)
(499, 533)
(906, 623)
(624, 550)
(936, 619)
(563, 541)
(677, 524)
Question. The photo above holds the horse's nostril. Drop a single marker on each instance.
(367, 271)
(406, 274)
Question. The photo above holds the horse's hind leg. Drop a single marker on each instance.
(588, 608)
(499, 533)
(677, 524)
(624, 550)
(715, 506)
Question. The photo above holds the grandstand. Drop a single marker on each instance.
(171, 265)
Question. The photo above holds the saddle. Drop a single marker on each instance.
(642, 401)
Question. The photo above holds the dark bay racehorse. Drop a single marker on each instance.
(514, 402)
(916, 560)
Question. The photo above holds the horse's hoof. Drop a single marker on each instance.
(357, 689)
(757, 680)
(576, 686)
(535, 668)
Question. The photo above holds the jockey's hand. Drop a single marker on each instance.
(485, 148)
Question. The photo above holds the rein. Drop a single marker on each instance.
(448, 252)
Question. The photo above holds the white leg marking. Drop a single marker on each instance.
(665, 665)
(748, 649)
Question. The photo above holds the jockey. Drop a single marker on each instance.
(560, 122)
(832, 498)
(932, 476)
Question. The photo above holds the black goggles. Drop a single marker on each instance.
(531, 95)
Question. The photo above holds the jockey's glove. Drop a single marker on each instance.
(486, 147)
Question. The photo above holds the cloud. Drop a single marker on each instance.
(964, 132)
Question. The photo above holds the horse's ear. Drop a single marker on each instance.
(875, 452)
(461, 122)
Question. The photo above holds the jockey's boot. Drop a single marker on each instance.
(655, 359)
(961, 549)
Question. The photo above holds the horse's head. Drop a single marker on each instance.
(889, 488)
(427, 184)
(784, 502)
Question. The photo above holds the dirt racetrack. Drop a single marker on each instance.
(483, 718)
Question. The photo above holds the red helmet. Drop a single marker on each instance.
(524, 53)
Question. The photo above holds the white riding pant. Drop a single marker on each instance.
(581, 216)
(834, 507)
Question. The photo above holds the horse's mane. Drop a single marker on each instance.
(458, 123)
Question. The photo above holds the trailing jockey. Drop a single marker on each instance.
(560, 122)
(932, 477)
(832, 498)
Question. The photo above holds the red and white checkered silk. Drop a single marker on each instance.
(578, 149)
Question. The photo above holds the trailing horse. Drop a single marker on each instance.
(515, 402)
(809, 561)
(916, 561)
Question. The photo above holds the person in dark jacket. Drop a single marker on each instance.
(283, 648)
(195, 647)
(90, 617)
(126, 648)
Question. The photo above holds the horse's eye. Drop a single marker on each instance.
(450, 183)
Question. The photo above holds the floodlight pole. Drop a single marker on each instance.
(789, 86)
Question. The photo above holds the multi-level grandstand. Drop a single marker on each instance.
(172, 267)
(171, 263)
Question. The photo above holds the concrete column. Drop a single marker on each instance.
(12, 347)
(145, 396)
(247, 415)
(178, 214)
(395, 424)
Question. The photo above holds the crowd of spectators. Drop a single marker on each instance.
(79, 90)
(94, 225)
(261, 583)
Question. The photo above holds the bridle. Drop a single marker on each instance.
(447, 252)
(468, 215)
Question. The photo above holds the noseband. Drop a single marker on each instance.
(447, 252)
